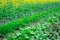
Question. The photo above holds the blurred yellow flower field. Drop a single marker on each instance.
(17, 2)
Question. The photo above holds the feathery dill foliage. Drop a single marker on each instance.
(30, 19)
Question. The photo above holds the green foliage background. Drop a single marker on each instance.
(30, 22)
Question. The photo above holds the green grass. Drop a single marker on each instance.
(33, 32)
(9, 12)
(47, 17)
(40, 30)
(8, 27)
